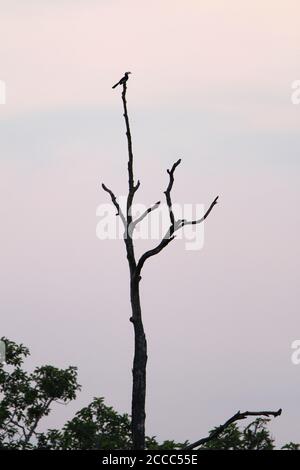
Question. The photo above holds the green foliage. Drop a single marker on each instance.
(152, 444)
(96, 426)
(255, 436)
(27, 398)
(291, 446)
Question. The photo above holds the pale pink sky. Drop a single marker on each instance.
(211, 83)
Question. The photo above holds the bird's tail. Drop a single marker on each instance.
(115, 85)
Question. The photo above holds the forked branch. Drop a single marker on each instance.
(174, 224)
(237, 417)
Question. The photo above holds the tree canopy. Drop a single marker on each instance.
(27, 397)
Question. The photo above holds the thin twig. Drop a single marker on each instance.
(198, 221)
(168, 195)
(129, 140)
(115, 203)
(144, 214)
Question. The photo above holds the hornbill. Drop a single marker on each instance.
(123, 80)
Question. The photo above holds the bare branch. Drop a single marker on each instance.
(174, 224)
(142, 216)
(115, 203)
(168, 195)
(193, 222)
(129, 140)
(238, 416)
(182, 223)
(164, 242)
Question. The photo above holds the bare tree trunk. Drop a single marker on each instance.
(138, 414)
(140, 344)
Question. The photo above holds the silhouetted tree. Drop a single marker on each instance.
(135, 267)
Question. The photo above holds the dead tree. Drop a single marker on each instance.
(135, 267)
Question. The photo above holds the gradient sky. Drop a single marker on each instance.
(211, 83)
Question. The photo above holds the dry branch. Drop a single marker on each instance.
(238, 416)
(115, 203)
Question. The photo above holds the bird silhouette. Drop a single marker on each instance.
(123, 79)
